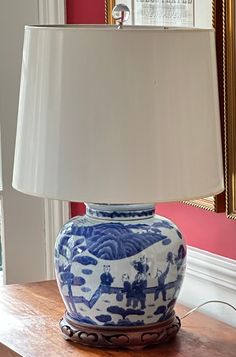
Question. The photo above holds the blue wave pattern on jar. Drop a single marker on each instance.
(120, 266)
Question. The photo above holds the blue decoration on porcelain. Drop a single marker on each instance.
(122, 261)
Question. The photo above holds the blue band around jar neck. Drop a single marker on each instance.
(120, 211)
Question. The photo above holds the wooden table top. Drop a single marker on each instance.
(29, 316)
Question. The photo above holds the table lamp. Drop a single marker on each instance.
(120, 119)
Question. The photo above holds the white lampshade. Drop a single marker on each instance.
(118, 116)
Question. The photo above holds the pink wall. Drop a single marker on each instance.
(202, 229)
(85, 11)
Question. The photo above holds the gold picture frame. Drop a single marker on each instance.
(223, 20)
(109, 4)
(229, 38)
(217, 203)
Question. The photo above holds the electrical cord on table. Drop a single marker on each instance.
(205, 303)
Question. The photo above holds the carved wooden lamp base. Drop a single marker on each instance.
(120, 337)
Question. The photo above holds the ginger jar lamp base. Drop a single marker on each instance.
(119, 270)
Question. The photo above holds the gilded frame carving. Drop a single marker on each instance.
(229, 38)
(109, 4)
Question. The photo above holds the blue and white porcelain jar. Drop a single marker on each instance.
(119, 265)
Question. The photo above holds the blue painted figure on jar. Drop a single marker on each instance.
(127, 289)
(106, 277)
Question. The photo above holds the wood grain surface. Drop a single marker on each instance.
(29, 316)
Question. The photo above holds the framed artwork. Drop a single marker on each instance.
(181, 13)
(164, 12)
